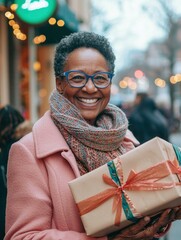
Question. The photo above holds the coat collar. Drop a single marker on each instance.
(49, 140)
(47, 137)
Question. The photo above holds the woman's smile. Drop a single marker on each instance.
(88, 100)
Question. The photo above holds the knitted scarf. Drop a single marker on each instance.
(95, 145)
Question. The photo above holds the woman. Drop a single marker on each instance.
(12, 127)
(79, 133)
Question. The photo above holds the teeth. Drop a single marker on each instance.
(85, 100)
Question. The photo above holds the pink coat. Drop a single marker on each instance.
(39, 202)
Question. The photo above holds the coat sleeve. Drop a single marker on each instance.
(29, 206)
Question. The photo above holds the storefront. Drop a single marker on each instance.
(27, 48)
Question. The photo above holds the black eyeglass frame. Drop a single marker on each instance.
(66, 74)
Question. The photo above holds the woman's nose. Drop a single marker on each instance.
(89, 87)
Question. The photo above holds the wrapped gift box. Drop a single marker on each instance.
(142, 182)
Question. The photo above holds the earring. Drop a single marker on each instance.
(60, 91)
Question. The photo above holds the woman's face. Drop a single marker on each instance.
(88, 99)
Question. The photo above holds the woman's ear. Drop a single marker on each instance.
(59, 85)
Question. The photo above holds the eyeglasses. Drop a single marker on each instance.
(78, 79)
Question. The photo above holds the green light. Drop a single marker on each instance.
(2, 2)
(35, 11)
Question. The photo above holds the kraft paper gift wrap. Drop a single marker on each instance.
(142, 182)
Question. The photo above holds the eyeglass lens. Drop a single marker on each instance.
(78, 79)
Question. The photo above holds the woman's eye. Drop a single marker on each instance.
(78, 77)
(100, 78)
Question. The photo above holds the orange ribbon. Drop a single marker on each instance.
(145, 180)
(175, 169)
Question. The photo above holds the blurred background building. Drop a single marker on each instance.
(27, 45)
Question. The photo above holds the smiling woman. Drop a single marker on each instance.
(89, 93)
(79, 133)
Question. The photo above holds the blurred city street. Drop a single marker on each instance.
(175, 231)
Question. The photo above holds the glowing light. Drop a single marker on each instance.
(24, 37)
(123, 84)
(42, 38)
(11, 22)
(14, 7)
(16, 31)
(18, 35)
(21, 36)
(36, 40)
(160, 82)
(37, 66)
(8, 14)
(39, 39)
(12, 16)
(60, 23)
(173, 80)
(178, 77)
(138, 73)
(42, 93)
(133, 85)
(52, 21)
(15, 26)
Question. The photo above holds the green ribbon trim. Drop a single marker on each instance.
(178, 153)
(113, 173)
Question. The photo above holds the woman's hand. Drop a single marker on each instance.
(143, 230)
(177, 213)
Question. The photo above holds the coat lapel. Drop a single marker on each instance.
(49, 140)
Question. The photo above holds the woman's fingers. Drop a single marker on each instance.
(151, 230)
(164, 219)
(130, 231)
(177, 213)
(136, 228)
(145, 229)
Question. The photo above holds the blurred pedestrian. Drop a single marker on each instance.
(146, 121)
(12, 127)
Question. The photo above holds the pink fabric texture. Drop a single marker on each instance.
(39, 201)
